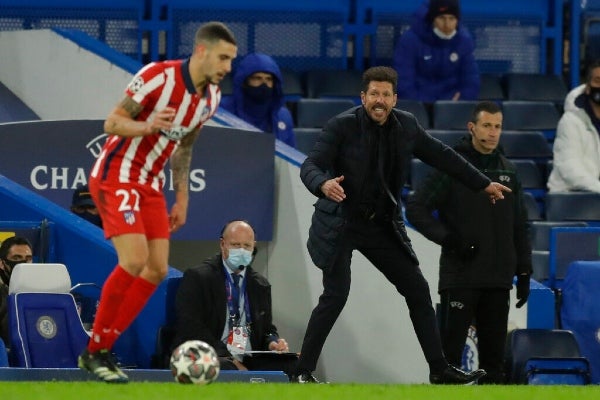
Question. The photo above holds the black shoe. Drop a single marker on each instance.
(101, 364)
(454, 376)
(305, 377)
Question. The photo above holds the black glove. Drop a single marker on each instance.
(466, 251)
(522, 289)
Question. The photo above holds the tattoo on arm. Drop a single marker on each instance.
(129, 105)
(181, 160)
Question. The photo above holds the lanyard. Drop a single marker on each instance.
(233, 292)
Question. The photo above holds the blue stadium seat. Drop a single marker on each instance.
(531, 116)
(572, 206)
(331, 83)
(448, 114)
(449, 137)
(416, 108)
(540, 232)
(531, 177)
(292, 85)
(545, 356)
(535, 87)
(540, 260)
(491, 88)
(45, 328)
(314, 113)
(525, 144)
(418, 172)
(306, 138)
(533, 208)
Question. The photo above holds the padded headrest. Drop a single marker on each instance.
(39, 278)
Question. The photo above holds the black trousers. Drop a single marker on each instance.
(376, 241)
(489, 309)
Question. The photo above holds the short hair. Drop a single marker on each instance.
(212, 32)
(13, 241)
(380, 74)
(593, 65)
(487, 106)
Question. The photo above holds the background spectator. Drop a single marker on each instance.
(576, 148)
(84, 206)
(434, 58)
(13, 251)
(258, 97)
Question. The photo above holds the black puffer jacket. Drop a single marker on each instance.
(343, 149)
(497, 231)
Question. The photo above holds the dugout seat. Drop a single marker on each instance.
(314, 113)
(545, 356)
(448, 114)
(44, 326)
(416, 108)
(306, 138)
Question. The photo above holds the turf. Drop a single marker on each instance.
(248, 391)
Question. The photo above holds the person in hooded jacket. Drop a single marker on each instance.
(258, 97)
(434, 58)
(576, 163)
(484, 246)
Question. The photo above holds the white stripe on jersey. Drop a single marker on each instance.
(129, 155)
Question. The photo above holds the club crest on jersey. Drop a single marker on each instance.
(136, 84)
(205, 113)
(176, 132)
(129, 217)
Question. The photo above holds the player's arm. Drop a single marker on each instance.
(121, 120)
(180, 161)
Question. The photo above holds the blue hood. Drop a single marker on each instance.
(257, 62)
(424, 29)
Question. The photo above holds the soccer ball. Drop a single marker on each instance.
(194, 361)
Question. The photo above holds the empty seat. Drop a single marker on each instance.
(417, 108)
(525, 144)
(292, 85)
(314, 113)
(540, 232)
(334, 84)
(531, 177)
(45, 328)
(535, 87)
(531, 116)
(448, 114)
(418, 172)
(533, 208)
(572, 206)
(447, 136)
(491, 87)
(306, 138)
(532, 352)
(540, 261)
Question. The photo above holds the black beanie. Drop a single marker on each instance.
(440, 7)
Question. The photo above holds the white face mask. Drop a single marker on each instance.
(442, 35)
(238, 258)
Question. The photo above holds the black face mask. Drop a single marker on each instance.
(595, 95)
(10, 265)
(260, 94)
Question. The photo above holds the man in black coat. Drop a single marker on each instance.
(233, 319)
(483, 246)
(357, 169)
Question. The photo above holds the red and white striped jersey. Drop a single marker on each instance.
(155, 87)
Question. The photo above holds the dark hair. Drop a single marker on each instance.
(212, 32)
(380, 74)
(13, 241)
(487, 106)
(593, 65)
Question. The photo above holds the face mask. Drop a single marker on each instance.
(595, 95)
(238, 258)
(442, 35)
(10, 265)
(94, 219)
(260, 94)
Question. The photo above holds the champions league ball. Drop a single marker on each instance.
(194, 362)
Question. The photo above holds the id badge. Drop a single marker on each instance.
(237, 340)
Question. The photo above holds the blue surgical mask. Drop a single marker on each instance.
(238, 258)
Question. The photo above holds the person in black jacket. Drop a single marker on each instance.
(483, 246)
(206, 309)
(357, 169)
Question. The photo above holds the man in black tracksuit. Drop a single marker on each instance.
(483, 245)
(359, 154)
